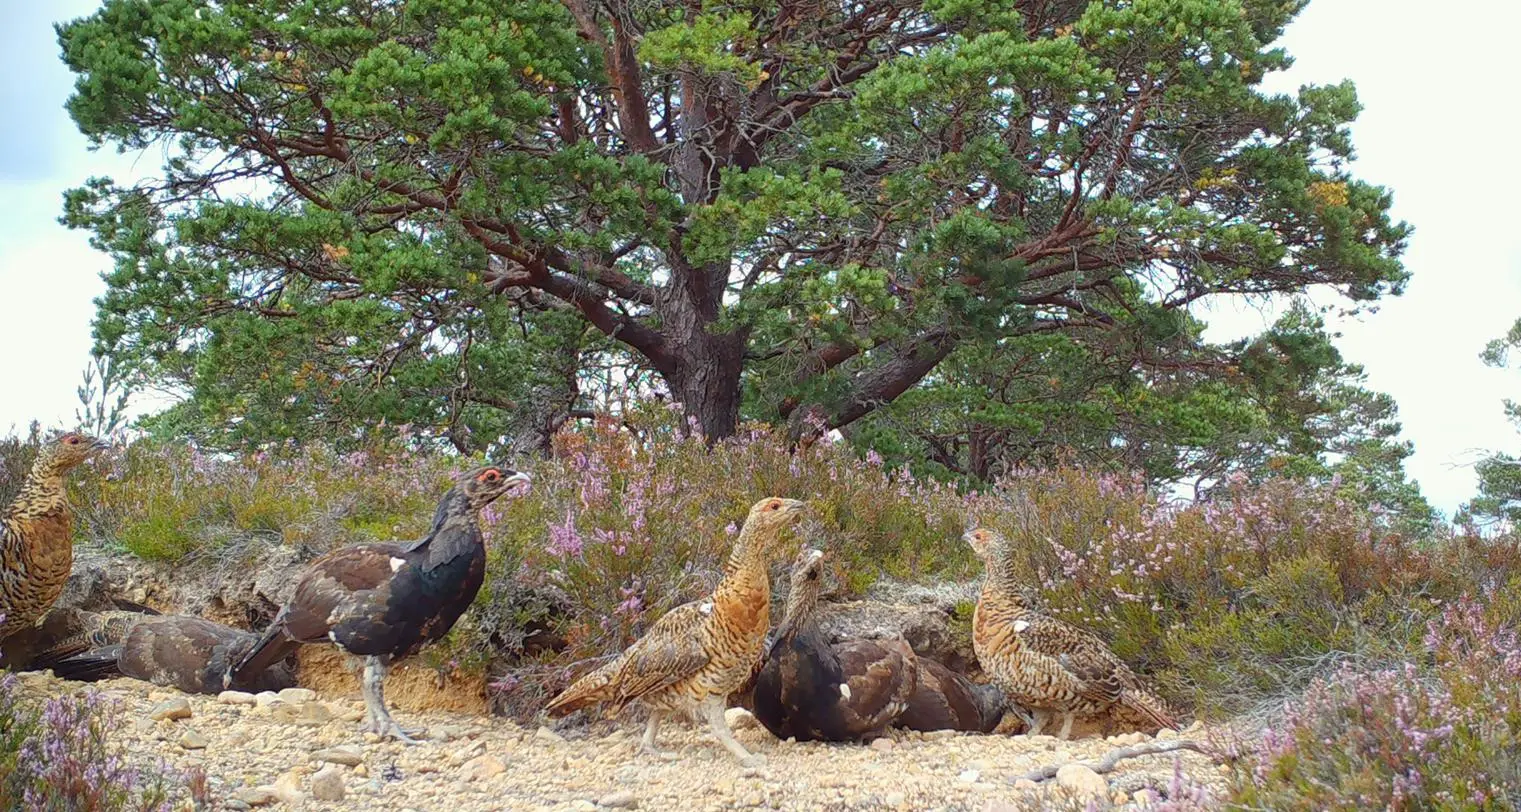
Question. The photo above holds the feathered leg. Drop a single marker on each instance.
(713, 708)
(1038, 723)
(647, 744)
(377, 719)
(1066, 731)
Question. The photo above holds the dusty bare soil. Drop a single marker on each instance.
(303, 750)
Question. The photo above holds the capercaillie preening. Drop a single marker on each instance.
(1044, 664)
(697, 654)
(37, 534)
(384, 602)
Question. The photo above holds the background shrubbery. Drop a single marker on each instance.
(1230, 605)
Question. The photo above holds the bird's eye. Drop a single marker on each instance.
(71, 440)
(773, 505)
(490, 476)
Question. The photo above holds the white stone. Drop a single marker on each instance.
(1081, 781)
(622, 799)
(481, 768)
(349, 755)
(739, 719)
(170, 709)
(297, 695)
(236, 698)
(544, 734)
(327, 784)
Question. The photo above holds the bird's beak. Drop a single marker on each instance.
(519, 482)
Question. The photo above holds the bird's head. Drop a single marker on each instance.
(770, 516)
(983, 541)
(808, 570)
(66, 451)
(485, 485)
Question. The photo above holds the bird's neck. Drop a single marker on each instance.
(745, 571)
(456, 529)
(1001, 578)
(41, 495)
(800, 605)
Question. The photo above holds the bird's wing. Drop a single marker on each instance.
(879, 679)
(668, 653)
(343, 582)
(1080, 652)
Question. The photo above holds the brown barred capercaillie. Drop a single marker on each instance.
(1046, 665)
(37, 535)
(697, 654)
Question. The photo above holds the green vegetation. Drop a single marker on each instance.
(481, 218)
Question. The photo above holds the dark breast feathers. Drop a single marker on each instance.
(813, 691)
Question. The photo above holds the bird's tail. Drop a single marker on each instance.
(1147, 710)
(588, 690)
(272, 647)
(91, 666)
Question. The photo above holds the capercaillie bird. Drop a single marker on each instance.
(37, 535)
(189, 653)
(383, 602)
(813, 690)
(945, 700)
(697, 654)
(1046, 665)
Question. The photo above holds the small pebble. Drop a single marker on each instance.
(622, 799)
(236, 698)
(170, 709)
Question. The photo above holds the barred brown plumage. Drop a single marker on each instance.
(692, 658)
(37, 535)
(1046, 665)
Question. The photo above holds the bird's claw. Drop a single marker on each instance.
(655, 752)
(390, 730)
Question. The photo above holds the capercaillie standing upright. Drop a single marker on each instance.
(697, 654)
(384, 602)
(37, 535)
(1046, 665)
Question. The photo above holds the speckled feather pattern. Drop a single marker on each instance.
(1047, 665)
(36, 544)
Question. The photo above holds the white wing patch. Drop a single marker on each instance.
(706, 607)
(844, 690)
(1021, 625)
(396, 563)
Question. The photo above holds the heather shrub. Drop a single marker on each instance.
(55, 757)
(1439, 733)
(1224, 602)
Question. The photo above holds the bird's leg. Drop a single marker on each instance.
(713, 708)
(1038, 719)
(378, 719)
(647, 744)
(1066, 731)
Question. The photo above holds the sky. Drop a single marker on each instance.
(1438, 117)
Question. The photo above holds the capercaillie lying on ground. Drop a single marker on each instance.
(813, 690)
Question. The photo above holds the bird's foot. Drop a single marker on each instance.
(655, 752)
(388, 729)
